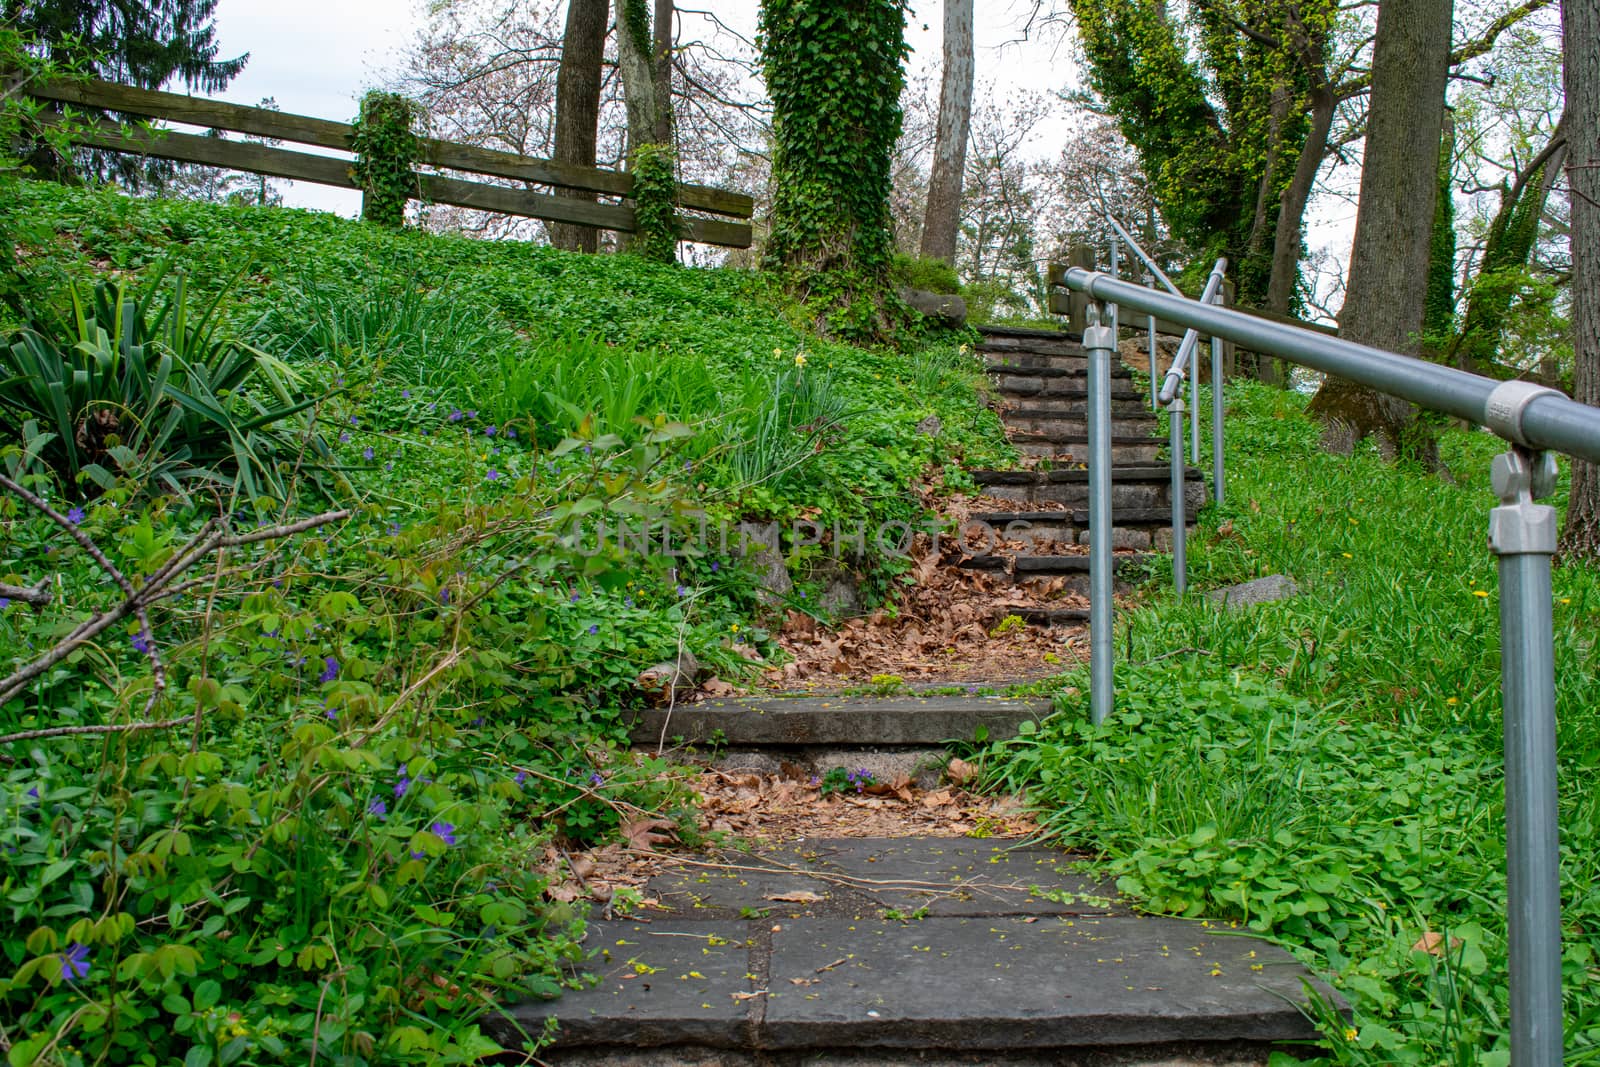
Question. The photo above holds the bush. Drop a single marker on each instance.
(913, 272)
(131, 386)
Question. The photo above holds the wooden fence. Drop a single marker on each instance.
(326, 170)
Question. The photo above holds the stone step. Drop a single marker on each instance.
(1075, 448)
(1073, 570)
(1055, 426)
(1132, 487)
(837, 720)
(1132, 528)
(1051, 381)
(1125, 411)
(909, 948)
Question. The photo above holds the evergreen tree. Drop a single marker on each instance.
(147, 43)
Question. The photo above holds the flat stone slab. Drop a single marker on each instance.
(809, 720)
(1006, 983)
(658, 985)
(873, 877)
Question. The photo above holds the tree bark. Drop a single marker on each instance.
(1580, 538)
(942, 217)
(634, 47)
(1388, 280)
(578, 86)
(661, 71)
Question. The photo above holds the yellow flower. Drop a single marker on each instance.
(1349, 1033)
(1480, 593)
(777, 351)
(1566, 600)
(1346, 555)
(1452, 701)
(734, 627)
(799, 359)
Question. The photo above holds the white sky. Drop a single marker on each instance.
(357, 44)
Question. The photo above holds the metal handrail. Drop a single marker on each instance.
(1535, 421)
(1180, 362)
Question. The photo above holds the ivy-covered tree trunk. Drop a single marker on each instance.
(1507, 249)
(578, 85)
(1580, 538)
(1388, 281)
(941, 219)
(834, 70)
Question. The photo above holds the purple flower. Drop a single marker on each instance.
(433, 407)
(332, 714)
(520, 777)
(593, 630)
(493, 475)
(405, 394)
(34, 793)
(394, 529)
(330, 669)
(378, 808)
(627, 602)
(401, 786)
(455, 416)
(511, 434)
(419, 855)
(715, 566)
(344, 437)
(353, 421)
(75, 962)
(576, 598)
(389, 466)
(490, 431)
(444, 596)
(141, 643)
(366, 453)
(596, 779)
(588, 450)
(472, 414)
(446, 832)
(75, 516)
(683, 590)
(5, 602)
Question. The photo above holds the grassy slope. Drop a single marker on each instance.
(1328, 768)
(398, 715)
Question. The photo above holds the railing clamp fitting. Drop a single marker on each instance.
(1508, 403)
(1519, 526)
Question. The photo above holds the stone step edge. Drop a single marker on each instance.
(1120, 475)
(875, 721)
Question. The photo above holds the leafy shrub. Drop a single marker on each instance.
(915, 272)
(139, 387)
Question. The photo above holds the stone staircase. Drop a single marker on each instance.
(1042, 379)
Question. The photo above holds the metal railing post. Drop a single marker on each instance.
(1098, 342)
(1194, 415)
(1180, 547)
(1216, 419)
(1523, 535)
(1155, 400)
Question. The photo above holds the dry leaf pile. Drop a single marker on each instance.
(767, 809)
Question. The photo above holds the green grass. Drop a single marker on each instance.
(1328, 769)
(401, 717)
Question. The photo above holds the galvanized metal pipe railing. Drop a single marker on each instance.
(1535, 421)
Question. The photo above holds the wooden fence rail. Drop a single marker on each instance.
(325, 170)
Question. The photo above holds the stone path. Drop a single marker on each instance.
(912, 947)
(874, 951)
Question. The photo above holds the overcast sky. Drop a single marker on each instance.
(358, 44)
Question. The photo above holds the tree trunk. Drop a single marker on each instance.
(1580, 538)
(1509, 245)
(634, 47)
(661, 72)
(578, 109)
(942, 218)
(1394, 223)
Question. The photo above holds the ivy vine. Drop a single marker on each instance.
(834, 70)
(387, 148)
(655, 190)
